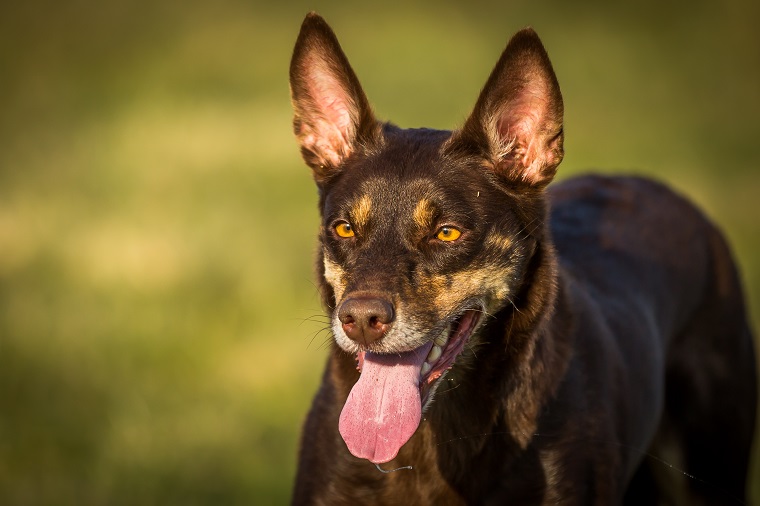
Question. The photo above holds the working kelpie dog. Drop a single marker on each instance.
(499, 343)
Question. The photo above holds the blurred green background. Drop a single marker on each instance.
(160, 336)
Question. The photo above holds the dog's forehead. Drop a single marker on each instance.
(409, 181)
(408, 169)
(390, 198)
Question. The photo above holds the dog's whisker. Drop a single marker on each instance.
(451, 388)
(313, 337)
(511, 301)
(325, 341)
(328, 340)
(392, 470)
(314, 319)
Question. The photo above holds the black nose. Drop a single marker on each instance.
(365, 319)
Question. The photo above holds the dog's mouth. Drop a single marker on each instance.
(385, 405)
(446, 348)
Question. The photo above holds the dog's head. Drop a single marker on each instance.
(424, 233)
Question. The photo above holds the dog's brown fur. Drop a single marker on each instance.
(616, 336)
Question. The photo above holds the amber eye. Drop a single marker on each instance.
(448, 234)
(344, 229)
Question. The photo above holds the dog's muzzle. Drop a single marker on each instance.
(366, 318)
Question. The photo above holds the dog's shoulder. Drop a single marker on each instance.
(625, 214)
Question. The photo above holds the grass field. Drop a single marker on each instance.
(159, 330)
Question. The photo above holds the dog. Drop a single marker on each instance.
(499, 341)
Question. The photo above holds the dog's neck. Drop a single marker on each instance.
(536, 340)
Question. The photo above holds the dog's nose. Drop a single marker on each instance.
(366, 319)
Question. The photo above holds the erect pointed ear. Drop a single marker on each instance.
(517, 121)
(332, 116)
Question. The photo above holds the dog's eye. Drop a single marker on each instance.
(344, 229)
(447, 234)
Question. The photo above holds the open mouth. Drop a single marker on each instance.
(444, 351)
(384, 408)
(446, 348)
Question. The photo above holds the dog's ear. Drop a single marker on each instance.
(517, 120)
(332, 118)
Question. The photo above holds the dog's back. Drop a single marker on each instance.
(661, 278)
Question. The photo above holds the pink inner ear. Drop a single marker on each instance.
(329, 126)
(331, 100)
(522, 129)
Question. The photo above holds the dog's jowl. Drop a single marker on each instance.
(501, 341)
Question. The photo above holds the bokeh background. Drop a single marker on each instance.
(160, 332)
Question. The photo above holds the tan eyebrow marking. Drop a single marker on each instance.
(424, 213)
(360, 211)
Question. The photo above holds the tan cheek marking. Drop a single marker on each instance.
(335, 276)
(360, 211)
(423, 214)
(498, 242)
(489, 283)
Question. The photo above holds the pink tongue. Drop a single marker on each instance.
(383, 409)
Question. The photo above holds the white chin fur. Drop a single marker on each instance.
(341, 339)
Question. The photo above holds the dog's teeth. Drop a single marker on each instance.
(443, 338)
(425, 369)
(435, 354)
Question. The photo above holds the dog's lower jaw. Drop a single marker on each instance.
(385, 405)
(447, 346)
